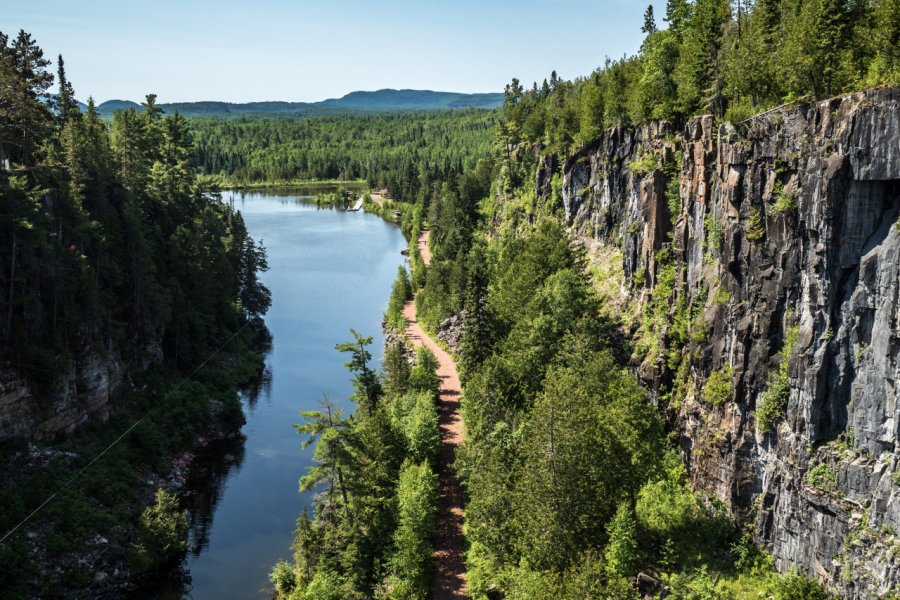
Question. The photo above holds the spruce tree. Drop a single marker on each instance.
(649, 21)
(65, 100)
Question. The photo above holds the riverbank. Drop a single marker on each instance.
(83, 541)
(357, 184)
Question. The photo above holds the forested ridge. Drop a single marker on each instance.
(114, 253)
(732, 60)
(407, 154)
(360, 102)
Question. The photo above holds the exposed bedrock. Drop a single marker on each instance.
(784, 239)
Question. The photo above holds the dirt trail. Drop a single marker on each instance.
(424, 250)
(450, 573)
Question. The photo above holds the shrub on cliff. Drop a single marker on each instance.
(163, 532)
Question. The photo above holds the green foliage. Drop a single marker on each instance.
(162, 535)
(590, 410)
(365, 380)
(756, 226)
(667, 506)
(622, 554)
(655, 320)
(773, 400)
(673, 190)
(395, 375)
(713, 229)
(410, 566)
(423, 376)
(686, 534)
(794, 586)
(111, 244)
(415, 415)
(717, 389)
(721, 295)
(713, 59)
(283, 578)
(325, 585)
(784, 202)
(135, 243)
(401, 291)
(374, 520)
(644, 165)
(822, 476)
(403, 153)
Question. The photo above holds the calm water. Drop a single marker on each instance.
(329, 270)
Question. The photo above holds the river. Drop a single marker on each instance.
(329, 270)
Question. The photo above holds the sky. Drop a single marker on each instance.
(302, 50)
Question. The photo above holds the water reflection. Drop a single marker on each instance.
(206, 481)
(330, 270)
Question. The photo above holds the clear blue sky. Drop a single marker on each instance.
(305, 50)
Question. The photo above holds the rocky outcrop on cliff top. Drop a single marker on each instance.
(778, 242)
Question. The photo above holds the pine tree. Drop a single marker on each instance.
(649, 21)
(368, 388)
(678, 13)
(830, 38)
(24, 79)
(65, 100)
(622, 553)
(329, 431)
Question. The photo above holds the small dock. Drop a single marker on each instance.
(357, 206)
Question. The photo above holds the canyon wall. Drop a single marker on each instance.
(773, 249)
(83, 390)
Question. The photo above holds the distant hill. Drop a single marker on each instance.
(386, 100)
(110, 106)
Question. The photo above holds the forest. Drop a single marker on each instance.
(111, 247)
(114, 239)
(406, 153)
(573, 483)
(732, 60)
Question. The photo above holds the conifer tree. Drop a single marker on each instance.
(649, 21)
(65, 99)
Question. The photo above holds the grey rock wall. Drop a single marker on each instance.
(788, 223)
(85, 390)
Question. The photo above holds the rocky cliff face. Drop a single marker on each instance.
(773, 249)
(84, 391)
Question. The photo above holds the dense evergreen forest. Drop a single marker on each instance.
(111, 247)
(406, 153)
(374, 519)
(573, 485)
(732, 60)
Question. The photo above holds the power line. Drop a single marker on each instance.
(121, 437)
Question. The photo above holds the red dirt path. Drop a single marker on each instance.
(450, 574)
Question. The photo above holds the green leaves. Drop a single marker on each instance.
(163, 532)
(365, 380)
(410, 565)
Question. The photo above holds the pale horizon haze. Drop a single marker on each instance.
(306, 51)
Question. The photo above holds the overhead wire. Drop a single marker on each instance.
(131, 428)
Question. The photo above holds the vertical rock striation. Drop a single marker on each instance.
(83, 390)
(784, 241)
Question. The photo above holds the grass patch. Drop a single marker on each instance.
(823, 477)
